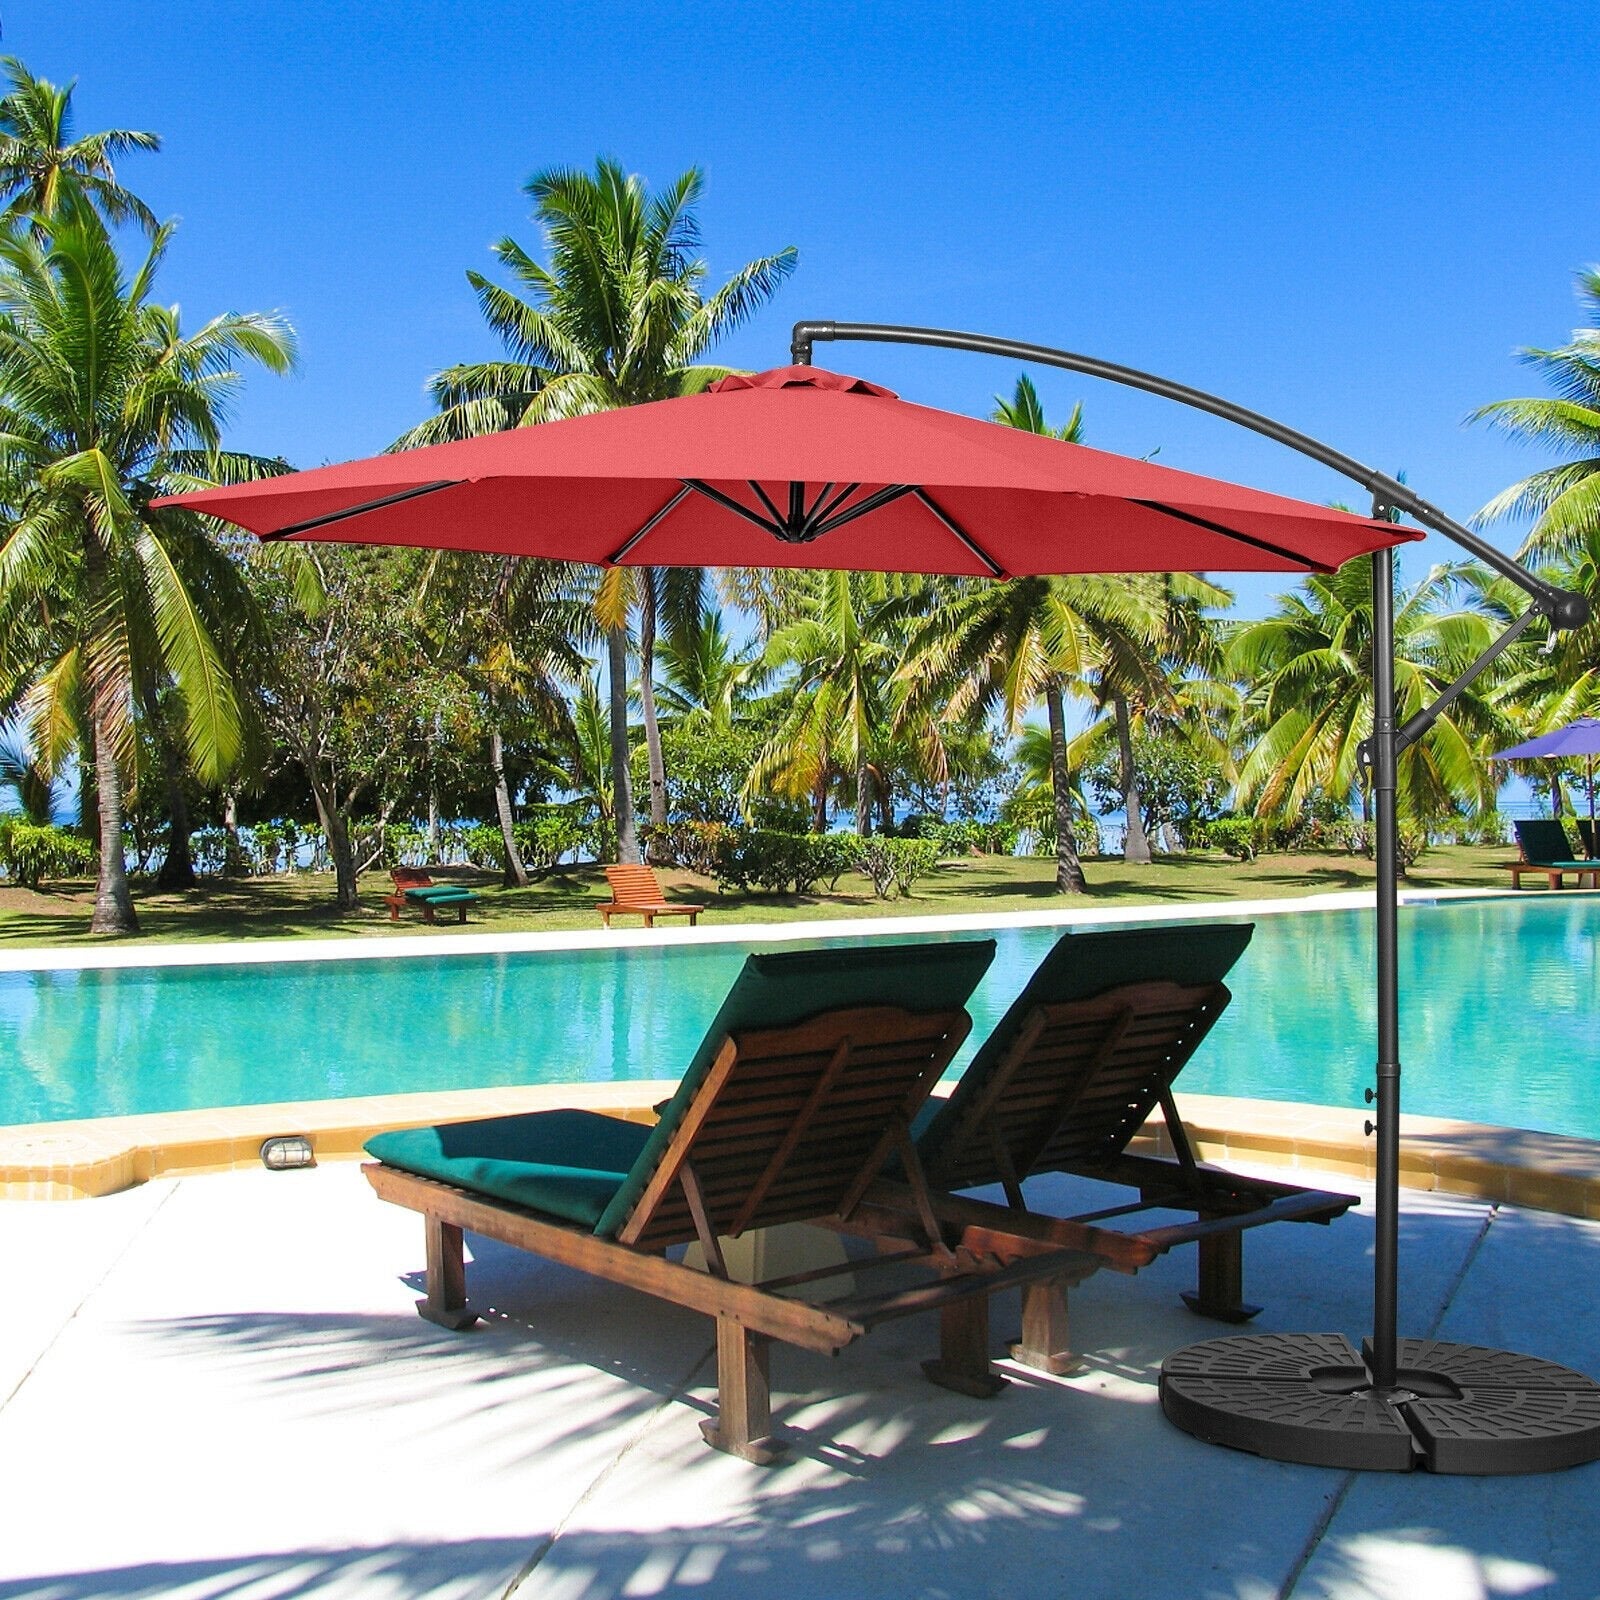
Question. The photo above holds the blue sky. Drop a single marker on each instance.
(1348, 217)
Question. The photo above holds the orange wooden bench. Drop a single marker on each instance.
(634, 890)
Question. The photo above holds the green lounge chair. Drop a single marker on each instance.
(1087, 1051)
(413, 886)
(805, 1085)
(1547, 851)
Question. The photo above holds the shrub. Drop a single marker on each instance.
(549, 834)
(1234, 836)
(760, 858)
(686, 844)
(210, 849)
(896, 864)
(266, 842)
(779, 862)
(483, 846)
(404, 841)
(32, 851)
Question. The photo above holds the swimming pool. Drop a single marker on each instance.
(1500, 1004)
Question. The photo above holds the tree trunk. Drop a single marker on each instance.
(647, 701)
(1069, 869)
(863, 800)
(1135, 842)
(433, 824)
(819, 805)
(341, 850)
(177, 870)
(516, 874)
(233, 849)
(113, 904)
(621, 779)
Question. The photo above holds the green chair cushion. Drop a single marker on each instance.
(566, 1163)
(1080, 966)
(440, 891)
(591, 1169)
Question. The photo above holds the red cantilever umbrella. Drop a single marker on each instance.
(799, 467)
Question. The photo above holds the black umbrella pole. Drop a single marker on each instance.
(1386, 1250)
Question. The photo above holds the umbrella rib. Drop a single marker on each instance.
(1233, 533)
(766, 500)
(633, 538)
(810, 514)
(995, 569)
(700, 486)
(819, 513)
(355, 511)
(873, 502)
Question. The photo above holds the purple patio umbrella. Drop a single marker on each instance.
(1579, 738)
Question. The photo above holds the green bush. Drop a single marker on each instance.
(686, 844)
(1234, 836)
(266, 843)
(483, 847)
(31, 852)
(894, 865)
(779, 862)
(548, 835)
(962, 837)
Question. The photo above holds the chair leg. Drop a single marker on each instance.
(743, 1425)
(963, 1363)
(1220, 1291)
(1044, 1344)
(447, 1277)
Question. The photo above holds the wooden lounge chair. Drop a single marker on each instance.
(634, 888)
(413, 886)
(1085, 1054)
(1547, 851)
(804, 1086)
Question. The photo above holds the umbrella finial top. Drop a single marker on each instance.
(800, 378)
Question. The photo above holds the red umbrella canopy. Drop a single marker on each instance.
(800, 467)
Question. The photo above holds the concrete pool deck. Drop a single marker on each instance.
(216, 1387)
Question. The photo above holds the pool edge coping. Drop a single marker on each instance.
(95, 1157)
(355, 947)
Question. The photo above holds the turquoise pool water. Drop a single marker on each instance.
(1499, 1024)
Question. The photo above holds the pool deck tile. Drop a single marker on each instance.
(227, 1375)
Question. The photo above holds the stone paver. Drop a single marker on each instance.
(227, 1394)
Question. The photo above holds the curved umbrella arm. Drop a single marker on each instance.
(1561, 607)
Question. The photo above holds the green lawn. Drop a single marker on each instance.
(301, 906)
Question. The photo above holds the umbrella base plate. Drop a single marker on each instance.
(1455, 1408)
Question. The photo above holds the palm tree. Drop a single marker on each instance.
(32, 786)
(1564, 500)
(105, 404)
(1130, 678)
(40, 161)
(1006, 646)
(1311, 664)
(708, 679)
(1545, 687)
(842, 661)
(1024, 410)
(515, 631)
(618, 317)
